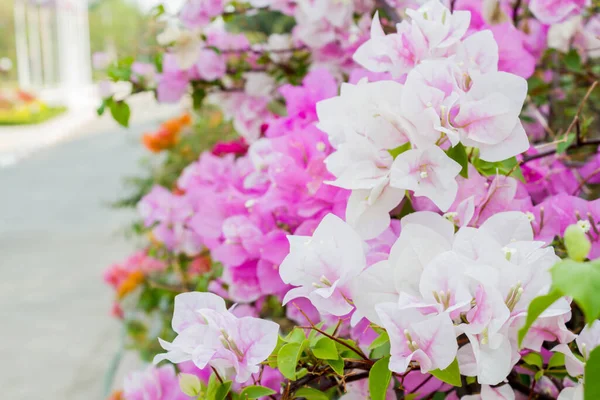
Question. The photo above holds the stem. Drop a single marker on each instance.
(586, 180)
(516, 12)
(423, 383)
(514, 382)
(217, 375)
(313, 327)
(553, 151)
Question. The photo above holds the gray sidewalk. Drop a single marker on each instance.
(56, 238)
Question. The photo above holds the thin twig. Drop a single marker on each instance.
(516, 12)
(217, 375)
(586, 180)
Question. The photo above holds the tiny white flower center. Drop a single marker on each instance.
(584, 225)
(530, 216)
(321, 146)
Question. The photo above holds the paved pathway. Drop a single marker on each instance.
(56, 237)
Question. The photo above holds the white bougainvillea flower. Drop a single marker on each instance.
(571, 393)
(440, 27)
(364, 123)
(426, 339)
(489, 361)
(184, 45)
(504, 392)
(396, 53)
(322, 266)
(429, 173)
(210, 335)
(588, 340)
(477, 54)
(368, 211)
(373, 286)
(488, 117)
(424, 235)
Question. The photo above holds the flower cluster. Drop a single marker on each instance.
(436, 285)
(126, 276)
(241, 209)
(384, 204)
(393, 136)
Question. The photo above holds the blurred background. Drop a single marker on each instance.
(60, 167)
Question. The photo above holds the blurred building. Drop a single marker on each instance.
(53, 49)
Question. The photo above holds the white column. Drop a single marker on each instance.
(73, 48)
(47, 45)
(21, 39)
(35, 48)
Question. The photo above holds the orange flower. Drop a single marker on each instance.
(117, 395)
(185, 119)
(167, 135)
(130, 283)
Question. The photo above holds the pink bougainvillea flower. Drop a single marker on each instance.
(554, 11)
(153, 383)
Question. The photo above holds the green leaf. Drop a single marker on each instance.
(577, 243)
(536, 308)
(102, 108)
(557, 360)
(198, 98)
(157, 11)
(563, 145)
(512, 164)
(379, 379)
(216, 390)
(345, 351)
(502, 167)
(301, 373)
(581, 281)
(297, 335)
(382, 339)
(538, 375)
(411, 396)
(459, 154)
(591, 376)
(573, 61)
(288, 357)
(534, 359)
(310, 394)
(120, 112)
(312, 335)
(255, 392)
(190, 384)
(325, 349)
(337, 366)
(400, 149)
(450, 374)
(439, 396)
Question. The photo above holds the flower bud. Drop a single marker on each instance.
(577, 243)
(190, 385)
